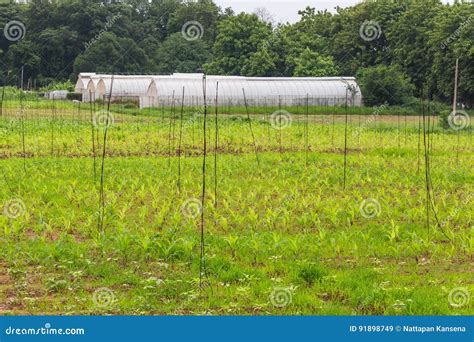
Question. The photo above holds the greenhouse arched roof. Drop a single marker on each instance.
(258, 90)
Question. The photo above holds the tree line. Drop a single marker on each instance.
(398, 50)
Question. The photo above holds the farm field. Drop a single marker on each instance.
(282, 234)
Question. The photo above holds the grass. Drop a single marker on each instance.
(290, 228)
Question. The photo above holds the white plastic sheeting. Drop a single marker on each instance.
(328, 91)
(97, 86)
(127, 87)
(156, 91)
(89, 93)
(57, 95)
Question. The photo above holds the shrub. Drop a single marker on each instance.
(380, 84)
(443, 119)
(312, 273)
(57, 86)
(74, 96)
(130, 106)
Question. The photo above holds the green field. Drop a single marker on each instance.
(282, 236)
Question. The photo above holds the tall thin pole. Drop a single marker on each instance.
(22, 122)
(251, 130)
(52, 127)
(398, 129)
(202, 263)
(306, 133)
(216, 144)
(455, 98)
(426, 174)
(279, 123)
(180, 140)
(100, 222)
(93, 138)
(422, 109)
(169, 132)
(345, 145)
(21, 82)
(3, 96)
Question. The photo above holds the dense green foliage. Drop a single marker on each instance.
(384, 82)
(418, 40)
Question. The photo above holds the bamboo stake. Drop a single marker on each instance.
(202, 262)
(251, 130)
(179, 142)
(92, 134)
(100, 223)
(216, 144)
(345, 145)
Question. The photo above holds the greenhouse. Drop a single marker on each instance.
(97, 86)
(124, 88)
(164, 90)
(90, 93)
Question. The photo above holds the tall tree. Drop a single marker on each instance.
(311, 63)
(204, 12)
(177, 54)
(452, 39)
(409, 40)
(384, 84)
(237, 40)
(112, 54)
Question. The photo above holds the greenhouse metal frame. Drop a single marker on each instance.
(166, 90)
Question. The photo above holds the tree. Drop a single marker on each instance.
(259, 64)
(204, 12)
(290, 41)
(264, 15)
(158, 17)
(409, 42)
(8, 12)
(177, 54)
(23, 55)
(384, 84)
(311, 63)
(237, 40)
(112, 54)
(57, 46)
(452, 39)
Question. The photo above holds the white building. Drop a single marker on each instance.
(163, 90)
(56, 95)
